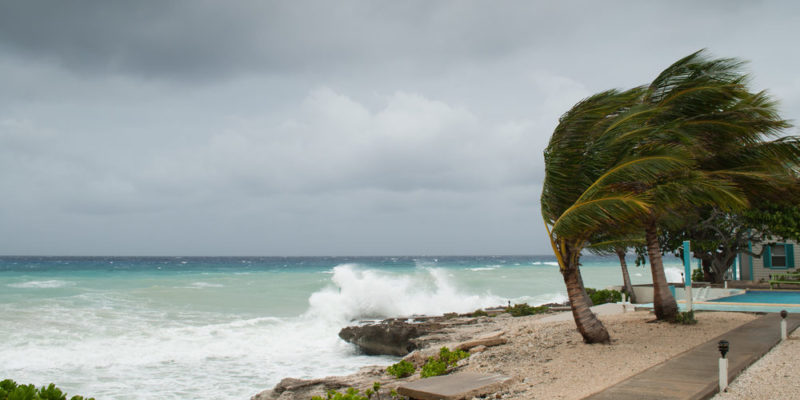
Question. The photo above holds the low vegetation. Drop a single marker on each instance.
(401, 369)
(440, 365)
(604, 296)
(685, 318)
(374, 393)
(479, 313)
(698, 275)
(521, 310)
(10, 390)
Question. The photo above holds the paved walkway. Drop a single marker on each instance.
(694, 374)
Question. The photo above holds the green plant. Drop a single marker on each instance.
(479, 313)
(698, 275)
(605, 296)
(438, 366)
(685, 318)
(521, 310)
(401, 369)
(10, 390)
(349, 394)
(354, 394)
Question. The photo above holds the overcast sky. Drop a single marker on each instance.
(324, 127)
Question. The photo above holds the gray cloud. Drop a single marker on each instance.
(305, 127)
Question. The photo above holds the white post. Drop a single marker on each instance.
(783, 329)
(784, 314)
(723, 374)
(687, 291)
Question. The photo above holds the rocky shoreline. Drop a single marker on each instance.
(543, 353)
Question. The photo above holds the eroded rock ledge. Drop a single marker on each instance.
(390, 337)
(415, 339)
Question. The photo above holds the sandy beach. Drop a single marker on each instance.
(547, 358)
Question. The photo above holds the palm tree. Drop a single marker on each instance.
(703, 105)
(586, 169)
(639, 157)
(613, 241)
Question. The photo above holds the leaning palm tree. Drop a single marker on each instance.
(584, 191)
(703, 105)
(639, 157)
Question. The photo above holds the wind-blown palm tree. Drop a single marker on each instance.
(639, 157)
(703, 105)
(586, 168)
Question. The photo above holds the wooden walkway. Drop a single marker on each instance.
(694, 374)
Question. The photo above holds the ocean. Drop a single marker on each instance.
(230, 327)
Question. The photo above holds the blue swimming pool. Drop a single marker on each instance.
(763, 296)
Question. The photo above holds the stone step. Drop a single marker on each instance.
(463, 385)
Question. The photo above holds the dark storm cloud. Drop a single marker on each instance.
(319, 127)
(180, 39)
(206, 39)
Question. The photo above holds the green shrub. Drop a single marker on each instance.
(10, 390)
(605, 296)
(479, 313)
(401, 369)
(433, 367)
(521, 310)
(698, 275)
(439, 365)
(685, 318)
(354, 394)
(349, 394)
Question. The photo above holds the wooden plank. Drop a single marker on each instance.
(694, 374)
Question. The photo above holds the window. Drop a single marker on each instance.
(779, 256)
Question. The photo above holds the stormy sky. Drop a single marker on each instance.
(323, 127)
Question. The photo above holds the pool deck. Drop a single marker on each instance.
(744, 307)
(694, 374)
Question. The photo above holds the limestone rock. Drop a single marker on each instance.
(390, 337)
(493, 339)
(291, 388)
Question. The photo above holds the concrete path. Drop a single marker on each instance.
(694, 374)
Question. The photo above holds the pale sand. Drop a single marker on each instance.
(548, 360)
(774, 376)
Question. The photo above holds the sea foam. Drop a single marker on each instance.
(359, 293)
(49, 284)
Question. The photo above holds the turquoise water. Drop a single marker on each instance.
(764, 296)
(218, 328)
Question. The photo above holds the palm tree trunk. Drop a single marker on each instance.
(626, 278)
(663, 302)
(588, 325)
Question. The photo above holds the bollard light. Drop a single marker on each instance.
(723, 347)
(723, 365)
(783, 324)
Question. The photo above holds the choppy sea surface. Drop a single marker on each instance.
(229, 327)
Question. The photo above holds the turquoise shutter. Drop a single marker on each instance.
(789, 255)
(767, 257)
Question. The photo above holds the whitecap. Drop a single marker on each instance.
(202, 285)
(487, 268)
(368, 293)
(50, 284)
